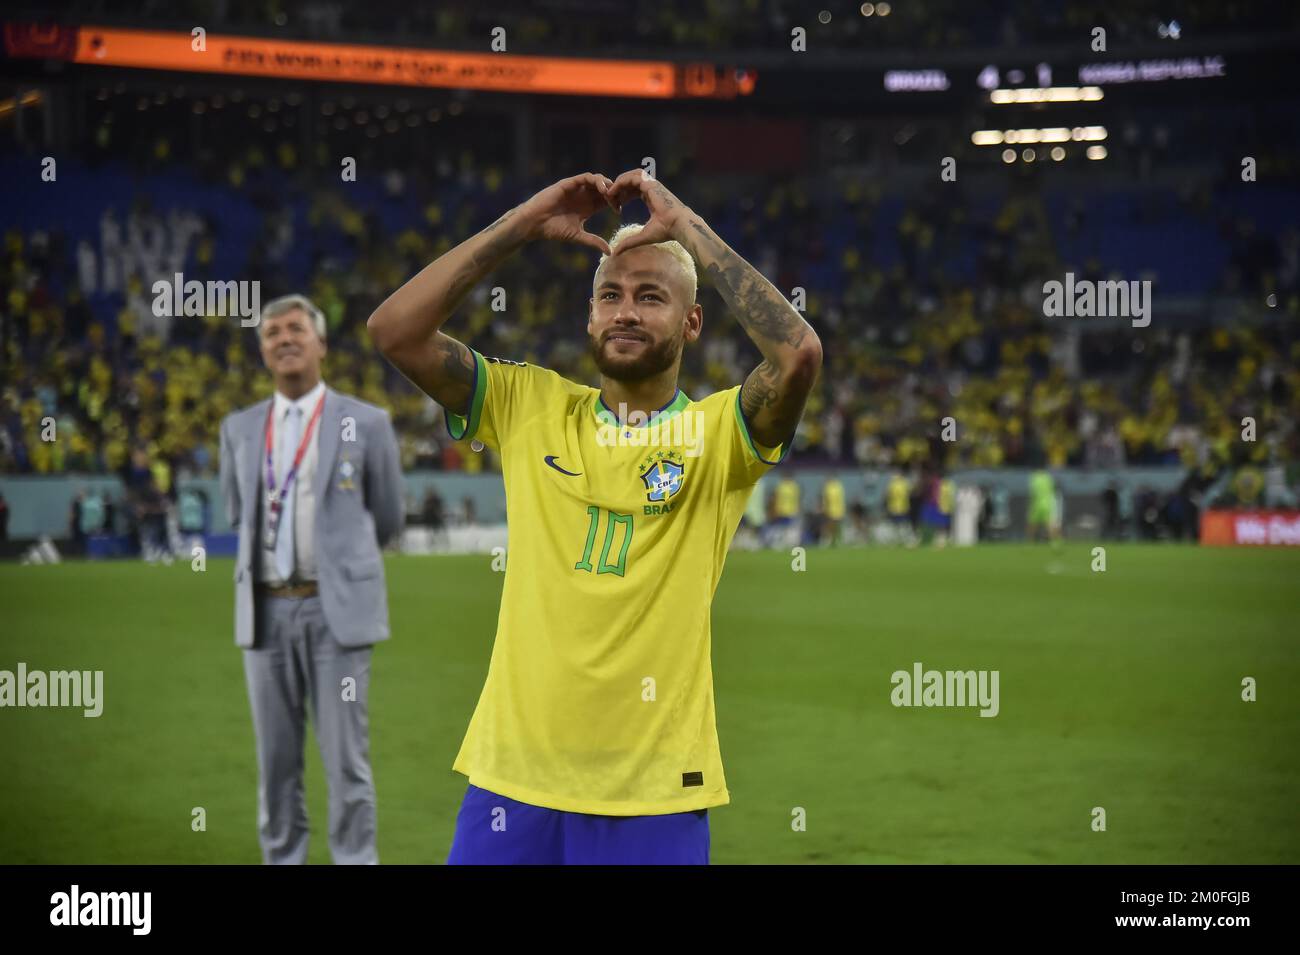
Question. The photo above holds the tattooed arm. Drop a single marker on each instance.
(406, 327)
(773, 396)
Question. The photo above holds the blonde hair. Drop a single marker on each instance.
(672, 247)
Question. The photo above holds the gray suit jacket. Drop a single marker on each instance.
(356, 514)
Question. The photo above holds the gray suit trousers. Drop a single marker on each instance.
(295, 663)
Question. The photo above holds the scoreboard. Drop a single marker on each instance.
(1042, 75)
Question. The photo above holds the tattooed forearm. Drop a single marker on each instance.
(456, 378)
(503, 219)
(457, 362)
(482, 260)
(759, 390)
(772, 397)
(761, 310)
(418, 309)
(407, 326)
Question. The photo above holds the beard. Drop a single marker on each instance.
(654, 359)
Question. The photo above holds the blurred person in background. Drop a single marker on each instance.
(898, 506)
(861, 522)
(110, 514)
(431, 515)
(916, 488)
(1247, 487)
(1147, 508)
(984, 521)
(192, 511)
(74, 523)
(313, 483)
(150, 505)
(788, 515)
(1111, 527)
(1178, 514)
(931, 517)
(1042, 520)
(947, 501)
(832, 511)
(92, 516)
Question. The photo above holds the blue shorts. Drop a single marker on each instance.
(497, 830)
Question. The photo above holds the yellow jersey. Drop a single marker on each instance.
(833, 500)
(897, 496)
(947, 495)
(599, 694)
(787, 498)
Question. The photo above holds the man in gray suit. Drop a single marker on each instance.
(312, 480)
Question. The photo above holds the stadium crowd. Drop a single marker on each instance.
(909, 345)
(613, 28)
(929, 310)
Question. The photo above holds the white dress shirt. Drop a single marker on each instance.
(302, 495)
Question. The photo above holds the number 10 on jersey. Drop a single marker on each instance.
(612, 522)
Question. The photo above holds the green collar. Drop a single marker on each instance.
(606, 415)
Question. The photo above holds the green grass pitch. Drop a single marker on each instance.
(1119, 689)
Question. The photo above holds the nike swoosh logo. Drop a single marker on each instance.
(550, 459)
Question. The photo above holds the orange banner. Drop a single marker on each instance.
(376, 64)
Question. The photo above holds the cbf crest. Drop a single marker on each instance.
(663, 473)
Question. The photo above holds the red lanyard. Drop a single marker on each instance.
(275, 497)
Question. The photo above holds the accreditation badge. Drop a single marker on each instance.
(346, 471)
